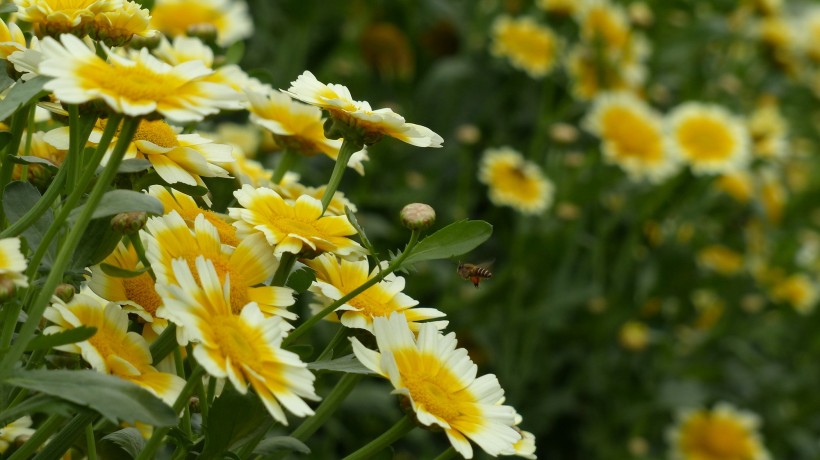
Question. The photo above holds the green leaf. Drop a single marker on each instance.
(38, 403)
(8, 8)
(301, 279)
(46, 341)
(128, 439)
(274, 444)
(21, 94)
(351, 216)
(234, 53)
(347, 364)
(233, 418)
(118, 272)
(133, 165)
(117, 201)
(453, 240)
(98, 241)
(114, 398)
(18, 198)
(30, 160)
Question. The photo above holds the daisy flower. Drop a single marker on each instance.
(291, 189)
(12, 262)
(176, 201)
(12, 431)
(336, 99)
(54, 17)
(292, 228)
(335, 279)
(230, 18)
(528, 45)
(440, 382)
(298, 127)
(514, 181)
(632, 135)
(723, 433)
(112, 349)
(123, 21)
(708, 138)
(797, 290)
(11, 39)
(249, 171)
(244, 348)
(604, 24)
(135, 86)
(739, 184)
(248, 265)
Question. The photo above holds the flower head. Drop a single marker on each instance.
(514, 181)
(174, 200)
(244, 348)
(528, 45)
(336, 278)
(11, 39)
(179, 17)
(12, 262)
(336, 99)
(55, 17)
(720, 259)
(440, 382)
(708, 138)
(723, 433)
(14, 430)
(124, 20)
(292, 228)
(797, 290)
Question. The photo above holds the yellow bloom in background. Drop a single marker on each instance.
(174, 200)
(633, 136)
(14, 430)
(528, 45)
(768, 129)
(708, 138)
(720, 259)
(248, 265)
(54, 17)
(565, 7)
(773, 195)
(737, 184)
(336, 99)
(440, 382)
(336, 278)
(604, 24)
(709, 306)
(634, 335)
(117, 26)
(723, 433)
(112, 349)
(588, 80)
(11, 39)
(514, 181)
(292, 228)
(245, 348)
(291, 189)
(137, 294)
(178, 17)
(297, 126)
(797, 290)
(136, 85)
(12, 262)
(38, 174)
(248, 171)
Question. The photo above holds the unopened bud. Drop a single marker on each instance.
(417, 216)
(204, 31)
(563, 133)
(6, 288)
(468, 134)
(194, 405)
(150, 42)
(129, 223)
(65, 292)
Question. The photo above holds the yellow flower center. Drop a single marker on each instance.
(705, 139)
(514, 180)
(157, 132)
(632, 135)
(239, 287)
(140, 290)
(716, 437)
(135, 83)
(368, 305)
(528, 44)
(232, 338)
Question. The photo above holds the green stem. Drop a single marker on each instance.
(136, 242)
(328, 406)
(76, 166)
(182, 401)
(327, 353)
(396, 432)
(394, 265)
(11, 311)
(285, 265)
(63, 441)
(186, 412)
(285, 164)
(66, 252)
(44, 431)
(164, 344)
(448, 454)
(18, 124)
(346, 151)
(92, 444)
(43, 204)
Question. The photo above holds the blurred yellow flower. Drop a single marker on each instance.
(38, 174)
(737, 184)
(180, 17)
(810, 33)
(768, 129)
(773, 196)
(797, 290)
(634, 335)
(54, 17)
(720, 259)
(528, 45)
(12, 262)
(723, 433)
(16, 429)
(514, 181)
(590, 76)
(565, 7)
(604, 24)
(708, 138)
(633, 136)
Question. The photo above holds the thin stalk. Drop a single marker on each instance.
(75, 167)
(327, 353)
(44, 431)
(346, 151)
(285, 265)
(448, 454)
(285, 164)
(18, 124)
(67, 250)
(186, 412)
(328, 406)
(89, 440)
(136, 242)
(164, 344)
(394, 265)
(63, 441)
(396, 432)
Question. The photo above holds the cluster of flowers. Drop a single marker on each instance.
(217, 279)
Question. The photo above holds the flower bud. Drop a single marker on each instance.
(6, 288)
(129, 223)
(417, 216)
(150, 41)
(204, 31)
(65, 292)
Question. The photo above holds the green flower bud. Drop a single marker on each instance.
(65, 292)
(417, 216)
(129, 223)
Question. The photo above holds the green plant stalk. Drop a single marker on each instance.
(67, 250)
(394, 265)
(396, 432)
(89, 440)
(448, 454)
(285, 164)
(75, 167)
(136, 242)
(186, 412)
(43, 204)
(328, 406)
(164, 344)
(282, 272)
(63, 441)
(18, 124)
(43, 433)
(346, 151)
(182, 400)
(327, 353)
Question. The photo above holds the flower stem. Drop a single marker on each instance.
(89, 439)
(394, 265)
(282, 272)
(285, 164)
(327, 353)
(448, 454)
(164, 344)
(66, 252)
(345, 152)
(18, 123)
(328, 406)
(396, 432)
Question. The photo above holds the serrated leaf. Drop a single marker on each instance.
(21, 94)
(77, 334)
(347, 364)
(119, 272)
(274, 444)
(114, 398)
(118, 201)
(30, 160)
(18, 198)
(133, 165)
(453, 240)
(301, 279)
(128, 439)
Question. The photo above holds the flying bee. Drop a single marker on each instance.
(472, 272)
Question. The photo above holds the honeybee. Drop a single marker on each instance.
(472, 272)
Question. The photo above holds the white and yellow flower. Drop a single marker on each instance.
(708, 138)
(176, 201)
(230, 18)
(245, 348)
(514, 181)
(797, 290)
(440, 382)
(291, 189)
(723, 433)
(60, 16)
(14, 430)
(12, 262)
(528, 45)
